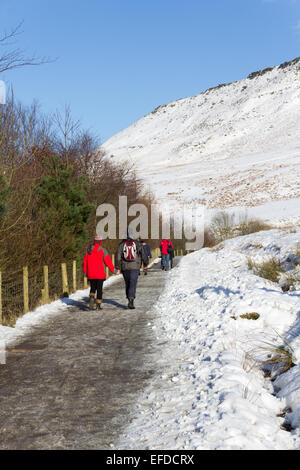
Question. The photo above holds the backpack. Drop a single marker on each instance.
(129, 250)
(170, 250)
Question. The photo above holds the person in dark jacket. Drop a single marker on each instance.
(148, 252)
(94, 262)
(130, 256)
(172, 255)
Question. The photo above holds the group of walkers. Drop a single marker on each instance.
(131, 256)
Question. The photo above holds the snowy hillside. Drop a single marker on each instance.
(233, 145)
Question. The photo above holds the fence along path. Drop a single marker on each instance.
(70, 382)
(26, 289)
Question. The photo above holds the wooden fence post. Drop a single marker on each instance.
(45, 290)
(1, 298)
(25, 289)
(74, 276)
(85, 282)
(64, 277)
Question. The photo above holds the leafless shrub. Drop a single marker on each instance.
(222, 226)
(27, 139)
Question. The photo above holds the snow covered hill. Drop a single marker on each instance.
(233, 145)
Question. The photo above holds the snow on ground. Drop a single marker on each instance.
(209, 391)
(275, 213)
(235, 145)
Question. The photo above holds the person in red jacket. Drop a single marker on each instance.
(94, 262)
(165, 246)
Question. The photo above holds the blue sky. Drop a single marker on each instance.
(119, 59)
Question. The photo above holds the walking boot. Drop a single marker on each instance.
(131, 304)
(98, 304)
(92, 301)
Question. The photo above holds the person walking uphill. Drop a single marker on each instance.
(172, 256)
(165, 246)
(130, 256)
(94, 262)
(148, 252)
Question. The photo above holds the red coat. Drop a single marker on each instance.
(164, 244)
(95, 260)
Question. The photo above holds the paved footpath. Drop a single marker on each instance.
(69, 384)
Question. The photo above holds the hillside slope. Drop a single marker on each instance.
(233, 145)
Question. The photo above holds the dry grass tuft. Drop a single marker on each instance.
(269, 269)
(250, 316)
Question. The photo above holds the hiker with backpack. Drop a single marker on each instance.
(130, 256)
(165, 246)
(94, 263)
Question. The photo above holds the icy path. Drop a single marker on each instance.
(70, 381)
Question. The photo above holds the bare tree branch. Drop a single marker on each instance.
(68, 130)
(15, 58)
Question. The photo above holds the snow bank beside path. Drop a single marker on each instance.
(209, 392)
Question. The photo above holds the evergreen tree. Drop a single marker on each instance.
(63, 209)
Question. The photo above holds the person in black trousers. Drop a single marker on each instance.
(148, 253)
(130, 256)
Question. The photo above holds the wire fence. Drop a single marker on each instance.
(12, 296)
(35, 286)
(28, 288)
(54, 281)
